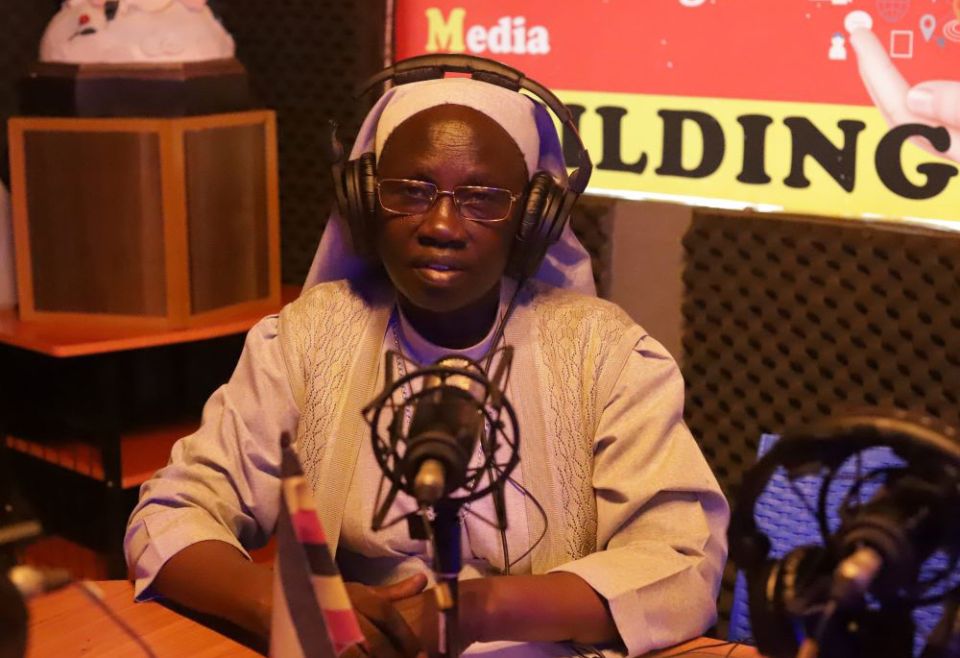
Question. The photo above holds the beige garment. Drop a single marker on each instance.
(633, 508)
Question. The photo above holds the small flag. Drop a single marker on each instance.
(312, 614)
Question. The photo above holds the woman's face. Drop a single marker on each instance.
(439, 261)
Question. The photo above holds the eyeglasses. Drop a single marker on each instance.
(475, 202)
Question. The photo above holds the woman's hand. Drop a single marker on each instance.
(551, 607)
(388, 632)
(421, 613)
(935, 102)
(938, 101)
(213, 577)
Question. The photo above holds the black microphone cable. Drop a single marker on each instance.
(499, 497)
(95, 595)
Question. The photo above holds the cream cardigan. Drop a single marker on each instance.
(631, 505)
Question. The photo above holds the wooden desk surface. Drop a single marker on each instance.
(67, 624)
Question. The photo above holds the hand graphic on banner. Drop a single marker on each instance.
(934, 102)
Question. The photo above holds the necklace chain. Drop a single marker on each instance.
(406, 391)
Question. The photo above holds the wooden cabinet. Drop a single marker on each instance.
(134, 222)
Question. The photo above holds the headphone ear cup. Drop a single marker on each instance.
(771, 629)
(776, 591)
(360, 201)
(529, 245)
(367, 184)
(556, 213)
(535, 200)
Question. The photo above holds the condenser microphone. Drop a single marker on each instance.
(443, 432)
(445, 429)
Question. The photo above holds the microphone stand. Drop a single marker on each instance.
(430, 459)
(446, 564)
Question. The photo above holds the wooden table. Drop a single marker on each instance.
(68, 624)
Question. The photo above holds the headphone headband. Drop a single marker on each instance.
(433, 67)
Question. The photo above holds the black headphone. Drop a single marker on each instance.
(775, 587)
(546, 203)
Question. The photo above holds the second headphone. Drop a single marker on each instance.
(778, 589)
(546, 203)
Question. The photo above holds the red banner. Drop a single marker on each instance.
(831, 79)
(777, 50)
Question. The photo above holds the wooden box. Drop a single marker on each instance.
(159, 222)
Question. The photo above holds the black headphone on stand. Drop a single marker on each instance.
(546, 203)
(778, 589)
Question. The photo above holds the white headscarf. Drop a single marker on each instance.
(567, 264)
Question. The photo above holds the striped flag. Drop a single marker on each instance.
(312, 614)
